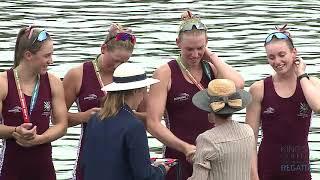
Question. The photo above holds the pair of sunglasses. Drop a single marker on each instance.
(124, 37)
(278, 35)
(43, 35)
(192, 24)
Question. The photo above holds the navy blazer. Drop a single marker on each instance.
(117, 148)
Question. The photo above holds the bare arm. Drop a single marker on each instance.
(310, 87)
(253, 119)
(59, 119)
(71, 85)
(5, 131)
(223, 70)
(155, 108)
(141, 111)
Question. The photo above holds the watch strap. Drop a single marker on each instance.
(303, 76)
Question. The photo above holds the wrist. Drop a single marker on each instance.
(304, 75)
(213, 58)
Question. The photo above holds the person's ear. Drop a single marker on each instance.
(294, 53)
(206, 41)
(27, 55)
(104, 48)
(178, 42)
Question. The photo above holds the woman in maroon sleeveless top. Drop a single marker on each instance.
(30, 98)
(179, 80)
(283, 105)
(83, 84)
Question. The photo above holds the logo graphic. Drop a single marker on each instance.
(16, 109)
(269, 110)
(90, 97)
(304, 110)
(46, 108)
(182, 97)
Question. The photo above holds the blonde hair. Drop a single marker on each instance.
(187, 17)
(112, 43)
(285, 30)
(113, 101)
(26, 42)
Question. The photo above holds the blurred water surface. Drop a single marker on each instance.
(236, 32)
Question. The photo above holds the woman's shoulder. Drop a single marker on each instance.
(257, 89)
(74, 73)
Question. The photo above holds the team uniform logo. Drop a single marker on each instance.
(46, 108)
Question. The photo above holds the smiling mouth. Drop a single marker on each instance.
(280, 67)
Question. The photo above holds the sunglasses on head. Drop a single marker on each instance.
(278, 35)
(43, 35)
(124, 37)
(192, 24)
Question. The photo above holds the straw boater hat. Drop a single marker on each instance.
(221, 97)
(129, 76)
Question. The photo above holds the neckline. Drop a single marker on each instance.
(285, 98)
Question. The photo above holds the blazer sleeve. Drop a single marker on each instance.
(138, 155)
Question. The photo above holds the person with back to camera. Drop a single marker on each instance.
(180, 79)
(116, 143)
(283, 103)
(83, 83)
(225, 151)
(30, 98)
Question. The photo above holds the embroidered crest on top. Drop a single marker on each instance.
(269, 110)
(182, 97)
(90, 97)
(46, 108)
(16, 109)
(304, 110)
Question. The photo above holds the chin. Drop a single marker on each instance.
(43, 71)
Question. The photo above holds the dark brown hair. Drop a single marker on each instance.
(27, 42)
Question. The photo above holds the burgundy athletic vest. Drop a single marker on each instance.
(35, 162)
(89, 97)
(284, 151)
(185, 120)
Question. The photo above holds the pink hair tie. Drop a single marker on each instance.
(29, 30)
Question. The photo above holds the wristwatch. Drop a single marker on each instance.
(303, 75)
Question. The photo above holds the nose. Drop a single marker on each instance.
(277, 60)
(50, 61)
(194, 53)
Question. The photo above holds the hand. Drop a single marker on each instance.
(162, 163)
(254, 177)
(206, 55)
(157, 163)
(299, 66)
(189, 153)
(25, 131)
(26, 136)
(90, 112)
(166, 166)
(29, 143)
(209, 56)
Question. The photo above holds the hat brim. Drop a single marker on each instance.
(202, 101)
(128, 86)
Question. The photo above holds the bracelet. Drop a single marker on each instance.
(303, 75)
